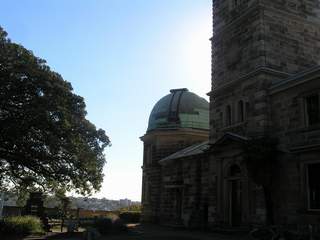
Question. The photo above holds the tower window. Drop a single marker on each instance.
(240, 111)
(228, 115)
(313, 181)
(312, 109)
(247, 109)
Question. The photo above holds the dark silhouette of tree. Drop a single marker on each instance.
(45, 140)
(261, 162)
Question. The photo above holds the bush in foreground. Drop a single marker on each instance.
(106, 225)
(21, 225)
(130, 216)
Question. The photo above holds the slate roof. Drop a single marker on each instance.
(200, 148)
(195, 149)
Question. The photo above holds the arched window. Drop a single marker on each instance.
(247, 109)
(240, 111)
(228, 115)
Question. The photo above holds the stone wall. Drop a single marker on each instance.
(280, 35)
(158, 145)
(237, 48)
(188, 177)
(300, 145)
(253, 92)
(291, 34)
(289, 116)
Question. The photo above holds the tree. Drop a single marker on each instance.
(45, 140)
(261, 155)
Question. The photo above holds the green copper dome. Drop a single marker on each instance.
(180, 109)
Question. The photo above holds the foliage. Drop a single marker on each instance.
(20, 225)
(45, 140)
(89, 214)
(64, 205)
(130, 217)
(260, 159)
(132, 208)
(261, 154)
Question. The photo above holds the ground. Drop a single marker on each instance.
(151, 232)
(154, 232)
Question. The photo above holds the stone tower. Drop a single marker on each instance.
(256, 43)
(178, 120)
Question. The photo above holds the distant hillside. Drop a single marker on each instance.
(82, 202)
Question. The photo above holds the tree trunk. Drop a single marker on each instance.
(269, 206)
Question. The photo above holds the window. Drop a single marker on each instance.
(313, 181)
(234, 171)
(247, 109)
(240, 111)
(312, 108)
(228, 115)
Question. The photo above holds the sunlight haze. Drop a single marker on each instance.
(122, 56)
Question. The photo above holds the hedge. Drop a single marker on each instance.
(21, 225)
(130, 217)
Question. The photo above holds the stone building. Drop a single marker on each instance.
(265, 86)
(178, 120)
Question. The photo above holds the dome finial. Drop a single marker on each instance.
(179, 90)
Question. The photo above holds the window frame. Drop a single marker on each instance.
(228, 115)
(306, 114)
(307, 187)
(241, 111)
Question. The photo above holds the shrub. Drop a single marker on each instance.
(132, 208)
(130, 217)
(21, 225)
(105, 225)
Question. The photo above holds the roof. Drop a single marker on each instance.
(195, 149)
(230, 136)
(180, 109)
(203, 147)
(295, 80)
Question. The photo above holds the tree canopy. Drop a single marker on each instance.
(261, 161)
(45, 139)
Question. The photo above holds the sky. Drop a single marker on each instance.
(122, 56)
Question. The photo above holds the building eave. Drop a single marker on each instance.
(196, 149)
(254, 73)
(296, 80)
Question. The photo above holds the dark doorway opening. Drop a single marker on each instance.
(235, 202)
(235, 196)
(178, 207)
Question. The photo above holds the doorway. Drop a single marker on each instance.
(235, 196)
(178, 203)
